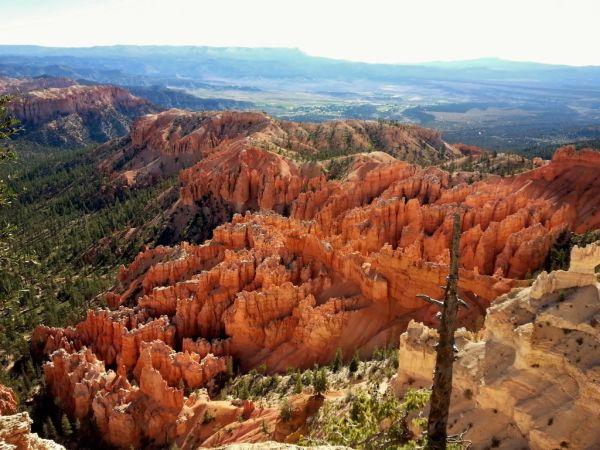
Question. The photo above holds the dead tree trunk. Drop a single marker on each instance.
(442, 380)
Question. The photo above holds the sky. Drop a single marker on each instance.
(388, 31)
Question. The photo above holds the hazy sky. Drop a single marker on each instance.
(556, 31)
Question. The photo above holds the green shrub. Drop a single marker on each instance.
(354, 363)
(65, 426)
(320, 382)
(286, 413)
(357, 423)
(298, 385)
(338, 361)
(208, 417)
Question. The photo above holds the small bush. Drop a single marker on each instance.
(298, 385)
(208, 417)
(307, 377)
(286, 413)
(320, 382)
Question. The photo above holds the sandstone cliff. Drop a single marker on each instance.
(60, 112)
(162, 144)
(8, 401)
(531, 377)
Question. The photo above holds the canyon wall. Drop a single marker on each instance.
(162, 144)
(61, 112)
(308, 265)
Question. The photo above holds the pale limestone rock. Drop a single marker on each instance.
(586, 259)
(15, 434)
(531, 378)
(581, 272)
(547, 283)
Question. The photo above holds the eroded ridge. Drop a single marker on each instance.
(308, 265)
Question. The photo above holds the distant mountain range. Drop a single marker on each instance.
(488, 102)
(183, 64)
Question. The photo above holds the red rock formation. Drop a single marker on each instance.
(466, 149)
(341, 271)
(193, 369)
(127, 415)
(58, 111)
(8, 401)
(40, 106)
(162, 144)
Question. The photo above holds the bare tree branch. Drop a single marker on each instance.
(433, 301)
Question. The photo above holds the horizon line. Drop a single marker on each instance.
(300, 50)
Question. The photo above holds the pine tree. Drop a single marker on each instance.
(65, 426)
(298, 385)
(320, 382)
(49, 429)
(354, 363)
(338, 361)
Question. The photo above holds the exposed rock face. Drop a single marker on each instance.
(315, 265)
(156, 405)
(8, 401)
(164, 143)
(468, 150)
(63, 113)
(586, 259)
(15, 434)
(532, 378)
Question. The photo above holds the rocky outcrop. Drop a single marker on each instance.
(159, 404)
(8, 401)
(585, 259)
(15, 428)
(531, 377)
(191, 370)
(15, 434)
(41, 106)
(162, 144)
(60, 112)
